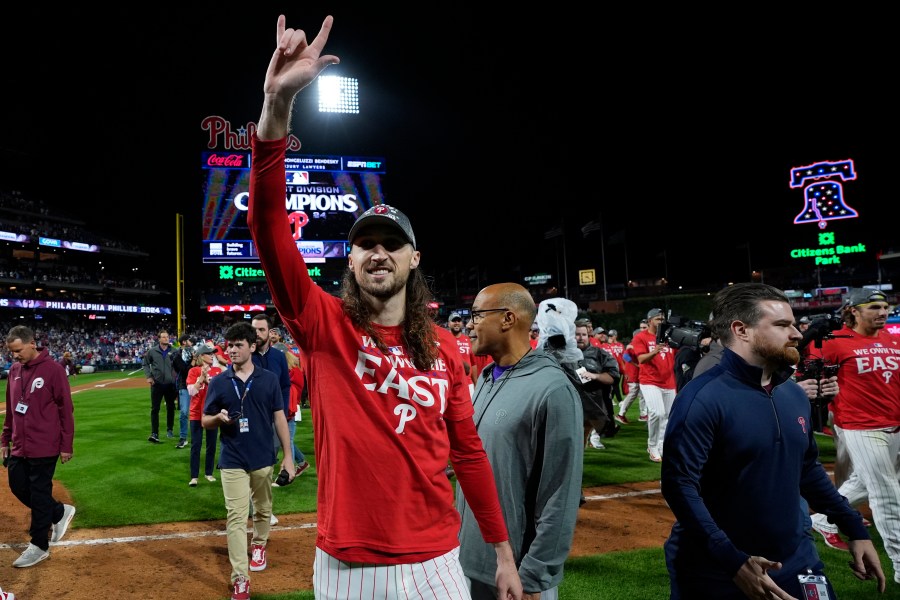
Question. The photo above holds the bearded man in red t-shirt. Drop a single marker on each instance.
(377, 362)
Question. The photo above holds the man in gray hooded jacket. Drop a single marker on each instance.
(529, 418)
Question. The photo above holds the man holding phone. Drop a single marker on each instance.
(245, 403)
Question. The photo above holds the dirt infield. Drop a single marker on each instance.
(190, 560)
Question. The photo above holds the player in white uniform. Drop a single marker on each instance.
(867, 412)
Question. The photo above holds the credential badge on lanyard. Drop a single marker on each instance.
(243, 422)
(814, 587)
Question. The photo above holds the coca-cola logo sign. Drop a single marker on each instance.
(227, 160)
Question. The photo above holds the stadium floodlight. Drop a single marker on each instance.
(338, 94)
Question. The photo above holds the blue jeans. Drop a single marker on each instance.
(184, 405)
(299, 459)
(196, 441)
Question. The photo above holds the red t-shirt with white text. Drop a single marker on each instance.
(868, 379)
(659, 370)
(382, 442)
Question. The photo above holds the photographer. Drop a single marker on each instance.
(690, 339)
(816, 329)
(686, 360)
(867, 411)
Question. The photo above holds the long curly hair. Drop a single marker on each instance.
(419, 335)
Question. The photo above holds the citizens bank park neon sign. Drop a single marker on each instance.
(823, 194)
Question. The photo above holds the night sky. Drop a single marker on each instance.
(680, 140)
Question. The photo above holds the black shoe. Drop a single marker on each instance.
(181, 444)
(154, 439)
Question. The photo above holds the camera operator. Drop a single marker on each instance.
(867, 411)
(657, 381)
(686, 360)
(816, 330)
(818, 390)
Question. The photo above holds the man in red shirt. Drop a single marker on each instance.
(598, 339)
(378, 363)
(631, 371)
(455, 326)
(617, 349)
(657, 381)
(867, 412)
(480, 359)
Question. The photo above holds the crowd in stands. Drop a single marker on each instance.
(70, 274)
(104, 347)
(17, 214)
(250, 293)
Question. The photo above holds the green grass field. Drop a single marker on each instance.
(115, 466)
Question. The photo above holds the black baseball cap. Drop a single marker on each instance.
(857, 296)
(385, 215)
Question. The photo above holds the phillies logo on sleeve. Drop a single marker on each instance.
(802, 422)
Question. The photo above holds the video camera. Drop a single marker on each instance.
(678, 332)
(821, 327)
(815, 368)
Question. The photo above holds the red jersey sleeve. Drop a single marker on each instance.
(476, 478)
(271, 232)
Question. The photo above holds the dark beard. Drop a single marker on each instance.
(384, 292)
(779, 356)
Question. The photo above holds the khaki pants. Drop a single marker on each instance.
(239, 487)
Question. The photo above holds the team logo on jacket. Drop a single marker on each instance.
(37, 384)
(802, 422)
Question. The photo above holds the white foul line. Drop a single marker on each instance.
(623, 495)
(199, 534)
(153, 538)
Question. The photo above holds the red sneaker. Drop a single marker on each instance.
(241, 589)
(622, 419)
(832, 540)
(301, 469)
(643, 418)
(257, 557)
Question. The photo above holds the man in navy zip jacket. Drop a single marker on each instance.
(739, 453)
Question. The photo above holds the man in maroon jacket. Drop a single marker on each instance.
(41, 427)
